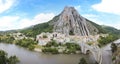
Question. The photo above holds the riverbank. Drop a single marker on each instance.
(51, 47)
(4, 59)
(31, 57)
(107, 53)
(116, 54)
(30, 43)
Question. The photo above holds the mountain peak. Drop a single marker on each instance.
(70, 22)
(69, 8)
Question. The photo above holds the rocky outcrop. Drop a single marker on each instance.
(71, 23)
(116, 56)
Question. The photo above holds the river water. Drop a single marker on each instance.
(107, 54)
(30, 57)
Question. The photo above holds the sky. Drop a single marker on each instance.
(18, 14)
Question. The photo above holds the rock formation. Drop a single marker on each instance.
(71, 23)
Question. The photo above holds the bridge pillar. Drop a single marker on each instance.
(95, 50)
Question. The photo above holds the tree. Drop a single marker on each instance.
(82, 61)
(3, 57)
(50, 50)
(52, 43)
(105, 40)
(44, 36)
(27, 43)
(113, 47)
(13, 60)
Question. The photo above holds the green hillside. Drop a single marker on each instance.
(100, 28)
(48, 27)
(39, 28)
(110, 29)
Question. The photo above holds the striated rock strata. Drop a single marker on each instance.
(71, 23)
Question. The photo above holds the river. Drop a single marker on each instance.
(107, 54)
(30, 57)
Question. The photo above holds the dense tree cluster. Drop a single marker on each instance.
(37, 29)
(6, 39)
(105, 40)
(52, 43)
(4, 59)
(72, 47)
(113, 47)
(50, 50)
(53, 47)
(82, 61)
(27, 43)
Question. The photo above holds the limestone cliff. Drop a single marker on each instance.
(69, 22)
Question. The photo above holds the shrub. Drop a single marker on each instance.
(82, 61)
(44, 36)
(50, 50)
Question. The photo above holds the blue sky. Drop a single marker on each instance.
(18, 14)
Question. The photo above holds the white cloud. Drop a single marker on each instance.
(108, 6)
(94, 18)
(90, 15)
(43, 17)
(40, 18)
(6, 22)
(6, 4)
(116, 25)
(24, 23)
(15, 22)
(78, 7)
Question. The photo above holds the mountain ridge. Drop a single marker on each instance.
(71, 22)
(49, 27)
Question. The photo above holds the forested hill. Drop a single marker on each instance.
(111, 30)
(39, 28)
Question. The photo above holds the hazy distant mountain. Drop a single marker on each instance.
(110, 29)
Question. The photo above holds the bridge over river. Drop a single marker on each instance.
(101, 55)
(94, 49)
